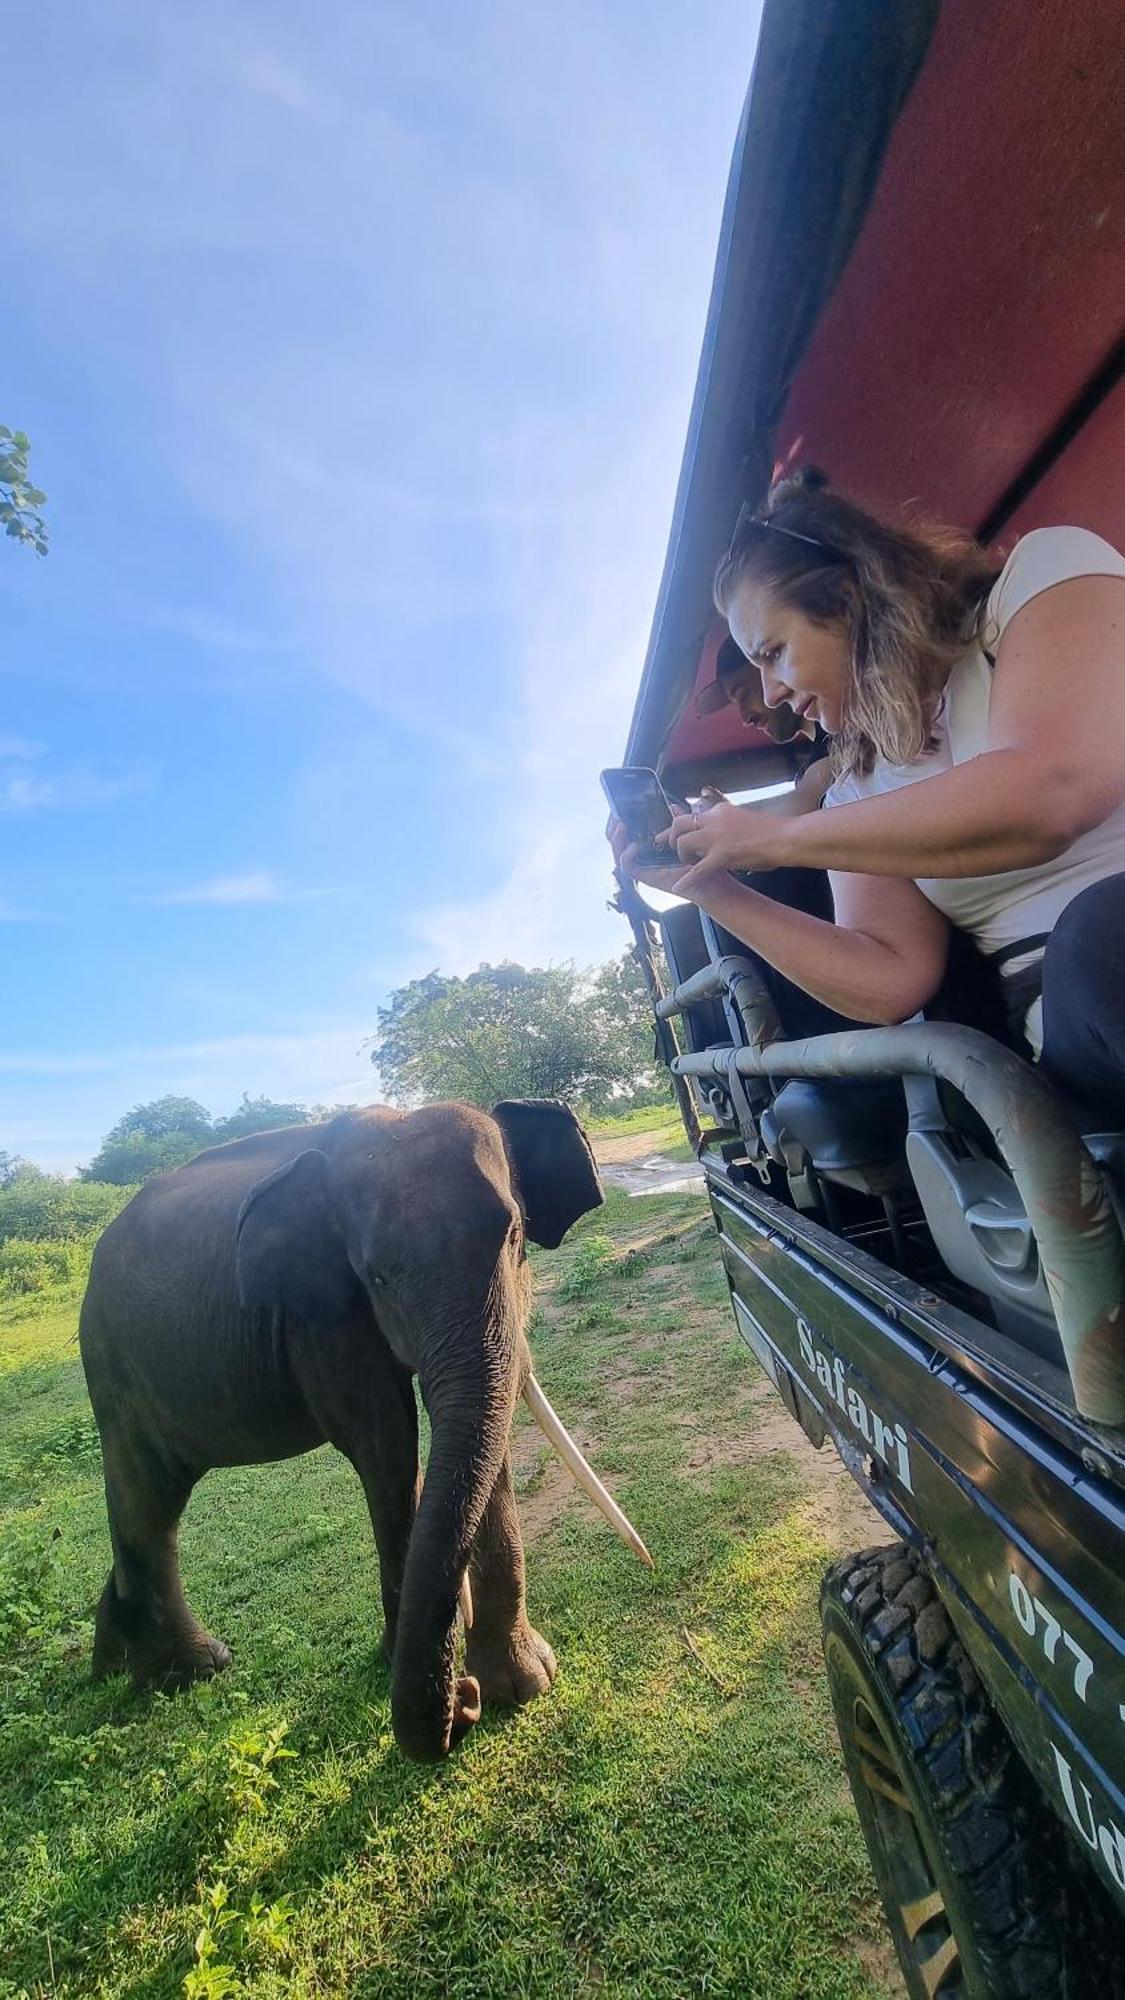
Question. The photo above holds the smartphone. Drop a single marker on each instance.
(639, 801)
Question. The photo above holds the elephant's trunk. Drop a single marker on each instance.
(470, 1409)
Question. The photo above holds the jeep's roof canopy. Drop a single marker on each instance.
(920, 286)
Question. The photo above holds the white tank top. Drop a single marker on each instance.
(1001, 910)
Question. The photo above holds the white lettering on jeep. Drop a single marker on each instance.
(1108, 1840)
(1033, 1613)
(888, 1441)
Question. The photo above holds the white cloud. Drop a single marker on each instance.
(580, 598)
(220, 635)
(412, 310)
(300, 1049)
(321, 1063)
(66, 789)
(256, 885)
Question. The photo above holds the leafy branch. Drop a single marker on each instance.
(20, 501)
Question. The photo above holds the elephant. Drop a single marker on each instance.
(283, 1291)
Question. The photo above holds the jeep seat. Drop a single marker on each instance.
(852, 1131)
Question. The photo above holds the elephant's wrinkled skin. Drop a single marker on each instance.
(281, 1292)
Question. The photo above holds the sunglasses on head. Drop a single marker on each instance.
(748, 520)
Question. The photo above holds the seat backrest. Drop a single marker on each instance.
(705, 1026)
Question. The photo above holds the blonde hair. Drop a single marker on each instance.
(912, 600)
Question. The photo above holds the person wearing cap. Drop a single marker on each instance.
(736, 681)
(976, 711)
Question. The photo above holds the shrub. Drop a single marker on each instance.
(42, 1209)
(37, 1267)
(586, 1269)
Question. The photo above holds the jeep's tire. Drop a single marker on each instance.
(970, 1864)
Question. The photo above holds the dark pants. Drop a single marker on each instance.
(1084, 1005)
(1083, 992)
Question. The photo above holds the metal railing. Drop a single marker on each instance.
(1075, 1228)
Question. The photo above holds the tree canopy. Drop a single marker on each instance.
(20, 501)
(513, 1031)
(170, 1130)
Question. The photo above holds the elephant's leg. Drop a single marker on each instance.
(144, 1621)
(512, 1662)
(380, 1436)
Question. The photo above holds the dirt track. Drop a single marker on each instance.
(634, 1162)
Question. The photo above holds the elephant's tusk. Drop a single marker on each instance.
(555, 1430)
(465, 1599)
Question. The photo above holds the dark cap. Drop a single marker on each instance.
(779, 722)
(729, 659)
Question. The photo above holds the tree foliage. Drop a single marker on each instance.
(260, 1114)
(20, 501)
(514, 1031)
(168, 1131)
(43, 1208)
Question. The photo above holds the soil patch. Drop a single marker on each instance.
(554, 1495)
(618, 1149)
(835, 1505)
(657, 1175)
(877, 1957)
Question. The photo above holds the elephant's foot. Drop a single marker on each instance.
(197, 1659)
(128, 1637)
(111, 1650)
(512, 1667)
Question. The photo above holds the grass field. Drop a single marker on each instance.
(671, 1820)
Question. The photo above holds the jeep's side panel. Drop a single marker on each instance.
(1023, 1539)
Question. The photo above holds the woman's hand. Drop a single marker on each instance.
(723, 837)
(666, 879)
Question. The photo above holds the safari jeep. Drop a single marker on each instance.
(919, 286)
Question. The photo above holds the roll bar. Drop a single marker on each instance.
(1075, 1228)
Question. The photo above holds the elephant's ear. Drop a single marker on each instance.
(552, 1166)
(289, 1248)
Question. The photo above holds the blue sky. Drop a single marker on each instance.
(356, 346)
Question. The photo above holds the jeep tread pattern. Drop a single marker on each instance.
(999, 1844)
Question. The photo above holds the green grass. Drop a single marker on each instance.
(647, 1118)
(653, 1827)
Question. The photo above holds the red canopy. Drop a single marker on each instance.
(968, 362)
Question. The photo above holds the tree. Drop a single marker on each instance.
(620, 1014)
(150, 1139)
(14, 1169)
(124, 1159)
(165, 1133)
(164, 1117)
(513, 1031)
(259, 1114)
(20, 501)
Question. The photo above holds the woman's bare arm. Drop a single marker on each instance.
(881, 960)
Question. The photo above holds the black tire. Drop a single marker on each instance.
(974, 1872)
